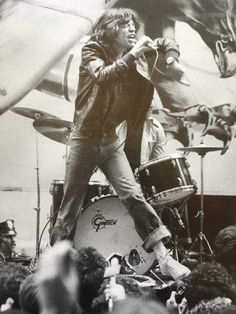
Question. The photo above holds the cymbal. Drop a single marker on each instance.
(55, 129)
(33, 113)
(201, 149)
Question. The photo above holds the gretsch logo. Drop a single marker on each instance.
(100, 222)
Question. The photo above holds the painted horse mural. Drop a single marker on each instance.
(215, 21)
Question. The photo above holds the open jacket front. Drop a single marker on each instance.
(113, 90)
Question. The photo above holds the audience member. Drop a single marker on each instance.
(58, 281)
(8, 305)
(216, 305)
(7, 238)
(207, 282)
(227, 310)
(139, 305)
(70, 281)
(11, 277)
(28, 295)
(90, 266)
(225, 249)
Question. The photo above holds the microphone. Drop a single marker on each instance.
(178, 217)
(150, 45)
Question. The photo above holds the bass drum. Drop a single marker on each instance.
(107, 226)
(95, 189)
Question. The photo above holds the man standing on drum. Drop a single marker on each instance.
(114, 84)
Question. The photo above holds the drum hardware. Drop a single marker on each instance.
(174, 243)
(201, 150)
(37, 209)
(156, 276)
(33, 113)
(178, 217)
(180, 181)
(36, 115)
(154, 191)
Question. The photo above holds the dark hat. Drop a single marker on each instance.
(7, 227)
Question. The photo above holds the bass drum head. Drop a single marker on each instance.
(107, 226)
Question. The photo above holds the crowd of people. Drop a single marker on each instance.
(66, 280)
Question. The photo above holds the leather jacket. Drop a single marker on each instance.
(113, 90)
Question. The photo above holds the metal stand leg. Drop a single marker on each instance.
(37, 209)
(189, 239)
(201, 238)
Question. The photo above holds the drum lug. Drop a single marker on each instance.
(147, 172)
(173, 163)
(99, 190)
(187, 163)
(180, 181)
(154, 191)
(110, 190)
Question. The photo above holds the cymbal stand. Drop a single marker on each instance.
(201, 237)
(37, 209)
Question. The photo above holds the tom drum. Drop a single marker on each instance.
(166, 180)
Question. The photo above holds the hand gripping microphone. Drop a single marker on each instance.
(151, 45)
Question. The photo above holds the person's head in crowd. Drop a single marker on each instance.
(131, 287)
(7, 238)
(225, 249)
(90, 265)
(216, 305)
(139, 305)
(207, 282)
(11, 277)
(28, 295)
(227, 310)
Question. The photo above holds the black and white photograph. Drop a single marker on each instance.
(117, 156)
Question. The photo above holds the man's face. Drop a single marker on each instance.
(10, 240)
(126, 35)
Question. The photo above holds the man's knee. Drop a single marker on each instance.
(132, 200)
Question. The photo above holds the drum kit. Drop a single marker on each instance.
(105, 223)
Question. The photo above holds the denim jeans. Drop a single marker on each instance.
(87, 153)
